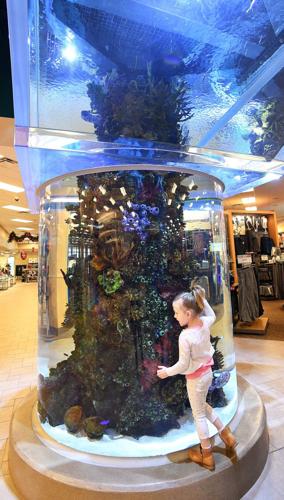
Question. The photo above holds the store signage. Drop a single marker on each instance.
(23, 255)
(244, 259)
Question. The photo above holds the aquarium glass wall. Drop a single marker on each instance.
(212, 62)
(115, 249)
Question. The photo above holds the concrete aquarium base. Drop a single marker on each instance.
(41, 470)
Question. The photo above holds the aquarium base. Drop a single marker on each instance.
(40, 473)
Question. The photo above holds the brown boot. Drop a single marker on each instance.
(202, 456)
(228, 437)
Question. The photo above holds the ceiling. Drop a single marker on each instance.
(267, 197)
(10, 174)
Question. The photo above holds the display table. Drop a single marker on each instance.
(42, 471)
(4, 282)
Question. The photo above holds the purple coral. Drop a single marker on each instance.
(137, 220)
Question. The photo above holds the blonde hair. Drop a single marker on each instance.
(193, 300)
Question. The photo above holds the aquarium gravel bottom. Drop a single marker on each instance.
(114, 445)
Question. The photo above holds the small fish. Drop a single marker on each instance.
(104, 422)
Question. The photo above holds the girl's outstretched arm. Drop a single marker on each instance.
(183, 362)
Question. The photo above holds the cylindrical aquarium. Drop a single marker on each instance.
(115, 249)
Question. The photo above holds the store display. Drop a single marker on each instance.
(250, 307)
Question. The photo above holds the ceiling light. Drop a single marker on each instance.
(11, 188)
(170, 201)
(21, 220)
(70, 53)
(65, 199)
(112, 201)
(16, 208)
(251, 209)
(174, 188)
(250, 199)
(123, 191)
(25, 228)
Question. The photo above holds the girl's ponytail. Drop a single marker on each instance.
(199, 296)
(194, 299)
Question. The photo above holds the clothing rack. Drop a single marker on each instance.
(250, 307)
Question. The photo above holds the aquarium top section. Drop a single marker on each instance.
(196, 74)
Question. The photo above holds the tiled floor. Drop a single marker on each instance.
(261, 363)
(18, 327)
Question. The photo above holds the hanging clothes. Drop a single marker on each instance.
(278, 280)
(253, 240)
(266, 245)
(250, 307)
(241, 245)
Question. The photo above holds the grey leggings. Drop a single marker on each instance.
(197, 389)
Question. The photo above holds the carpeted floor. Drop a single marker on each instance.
(274, 311)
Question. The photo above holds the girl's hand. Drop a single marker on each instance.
(162, 372)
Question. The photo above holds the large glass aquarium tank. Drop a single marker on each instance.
(133, 119)
(116, 248)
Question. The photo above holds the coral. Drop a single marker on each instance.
(111, 281)
(267, 136)
(145, 106)
(73, 418)
(120, 294)
(95, 427)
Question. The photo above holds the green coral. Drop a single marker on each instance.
(111, 281)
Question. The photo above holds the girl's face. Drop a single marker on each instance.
(182, 315)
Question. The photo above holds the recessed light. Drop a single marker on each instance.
(16, 208)
(11, 188)
(250, 199)
(21, 220)
(65, 199)
(25, 228)
(251, 209)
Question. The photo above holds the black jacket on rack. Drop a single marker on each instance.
(266, 245)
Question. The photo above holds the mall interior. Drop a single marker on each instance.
(141, 152)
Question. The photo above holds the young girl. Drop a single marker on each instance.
(193, 312)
